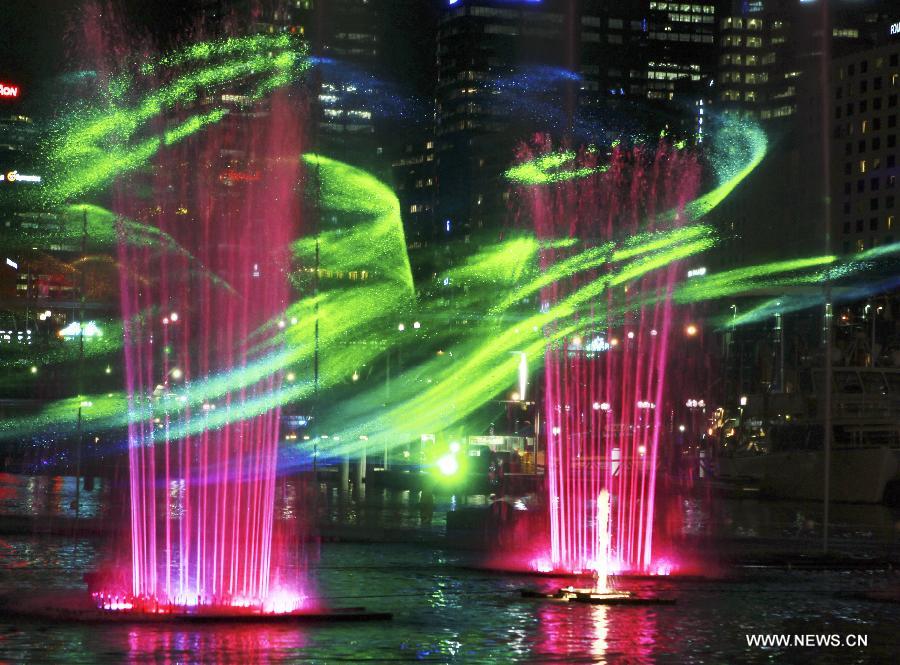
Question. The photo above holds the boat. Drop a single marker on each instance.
(774, 442)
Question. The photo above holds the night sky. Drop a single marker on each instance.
(36, 42)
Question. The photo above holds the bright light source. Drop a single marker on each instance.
(34, 369)
(691, 330)
(290, 376)
(448, 465)
(642, 450)
(523, 375)
(108, 369)
(282, 323)
(401, 327)
(596, 406)
(681, 428)
(176, 373)
(74, 330)
(630, 334)
(417, 325)
(743, 400)
(604, 406)
(173, 316)
(454, 447)
(355, 376)
(86, 404)
(515, 397)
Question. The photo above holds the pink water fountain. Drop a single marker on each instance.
(202, 448)
(609, 390)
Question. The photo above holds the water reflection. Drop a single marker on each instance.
(572, 632)
(383, 508)
(52, 496)
(237, 644)
(444, 612)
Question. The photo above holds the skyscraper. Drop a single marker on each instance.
(864, 103)
(578, 70)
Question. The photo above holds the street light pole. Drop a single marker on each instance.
(825, 92)
(79, 442)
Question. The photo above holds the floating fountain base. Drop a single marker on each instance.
(81, 609)
(592, 596)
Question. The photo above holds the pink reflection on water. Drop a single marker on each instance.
(576, 633)
(239, 644)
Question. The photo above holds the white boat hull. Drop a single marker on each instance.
(858, 475)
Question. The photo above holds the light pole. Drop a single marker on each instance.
(825, 92)
(79, 442)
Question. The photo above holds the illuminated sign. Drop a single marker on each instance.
(597, 344)
(9, 90)
(230, 176)
(697, 272)
(12, 264)
(91, 329)
(895, 28)
(15, 176)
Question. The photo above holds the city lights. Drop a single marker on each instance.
(448, 465)
(74, 329)
(220, 225)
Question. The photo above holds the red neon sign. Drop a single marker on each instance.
(9, 90)
(239, 176)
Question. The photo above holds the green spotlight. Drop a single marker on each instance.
(448, 465)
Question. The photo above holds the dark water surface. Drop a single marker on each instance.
(447, 613)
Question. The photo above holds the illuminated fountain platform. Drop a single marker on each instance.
(596, 596)
(101, 608)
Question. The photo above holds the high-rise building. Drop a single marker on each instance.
(681, 46)
(577, 70)
(769, 51)
(347, 42)
(482, 47)
(864, 102)
(771, 69)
